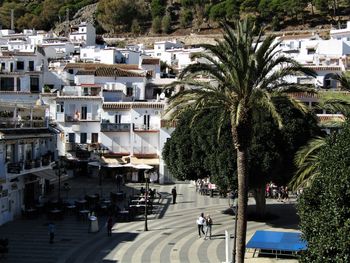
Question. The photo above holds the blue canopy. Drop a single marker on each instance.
(283, 241)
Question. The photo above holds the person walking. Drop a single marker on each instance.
(174, 193)
(200, 223)
(51, 227)
(109, 226)
(208, 224)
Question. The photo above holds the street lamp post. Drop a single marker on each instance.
(100, 151)
(60, 169)
(146, 174)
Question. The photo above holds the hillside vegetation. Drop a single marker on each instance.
(168, 16)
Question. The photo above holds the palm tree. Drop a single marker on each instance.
(243, 74)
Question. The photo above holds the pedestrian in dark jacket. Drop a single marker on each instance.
(173, 192)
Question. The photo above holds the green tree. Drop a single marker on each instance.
(322, 6)
(157, 8)
(166, 24)
(114, 15)
(324, 206)
(195, 151)
(135, 27)
(5, 13)
(186, 17)
(244, 76)
(157, 25)
(49, 13)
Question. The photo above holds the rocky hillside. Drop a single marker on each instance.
(85, 14)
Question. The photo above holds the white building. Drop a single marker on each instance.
(109, 55)
(83, 35)
(27, 148)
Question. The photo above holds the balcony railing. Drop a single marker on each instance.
(15, 124)
(77, 117)
(115, 127)
(77, 91)
(144, 127)
(145, 151)
(18, 167)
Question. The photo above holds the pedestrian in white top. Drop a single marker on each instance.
(200, 223)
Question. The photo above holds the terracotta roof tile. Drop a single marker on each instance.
(105, 70)
(93, 66)
(15, 53)
(150, 61)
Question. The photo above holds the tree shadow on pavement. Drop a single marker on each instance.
(282, 215)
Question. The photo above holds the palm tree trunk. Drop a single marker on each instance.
(242, 174)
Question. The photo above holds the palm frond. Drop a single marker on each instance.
(307, 162)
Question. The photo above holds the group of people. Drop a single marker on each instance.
(151, 193)
(278, 192)
(202, 186)
(204, 222)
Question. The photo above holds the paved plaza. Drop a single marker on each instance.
(172, 235)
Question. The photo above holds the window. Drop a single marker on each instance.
(146, 121)
(60, 107)
(118, 118)
(129, 91)
(86, 91)
(83, 112)
(18, 84)
(31, 66)
(70, 71)
(83, 137)
(20, 65)
(310, 51)
(94, 137)
(7, 84)
(71, 137)
(3, 66)
(34, 84)
(159, 54)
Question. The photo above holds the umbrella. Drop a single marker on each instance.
(143, 166)
(94, 163)
(130, 165)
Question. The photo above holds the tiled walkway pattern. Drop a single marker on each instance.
(172, 235)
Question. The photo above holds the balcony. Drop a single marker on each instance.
(115, 127)
(78, 91)
(145, 128)
(30, 164)
(145, 152)
(15, 124)
(77, 117)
